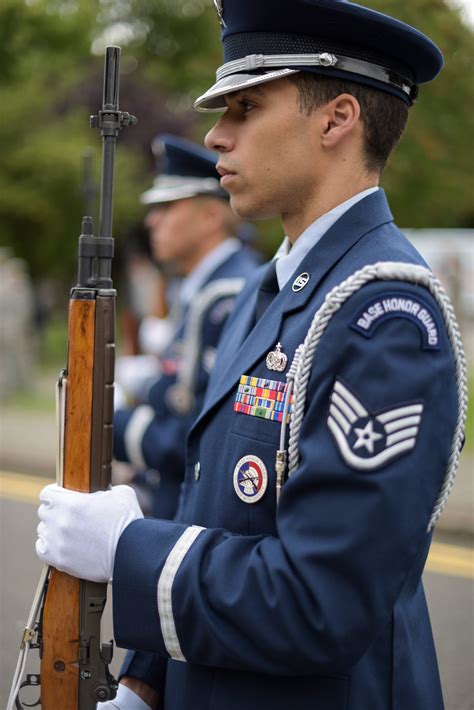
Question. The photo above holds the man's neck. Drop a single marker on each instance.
(324, 200)
(205, 247)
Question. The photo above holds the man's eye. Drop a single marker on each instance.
(246, 105)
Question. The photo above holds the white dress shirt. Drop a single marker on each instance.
(289, 257)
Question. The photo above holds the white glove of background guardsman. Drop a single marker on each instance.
(79, 532)
(125, 699)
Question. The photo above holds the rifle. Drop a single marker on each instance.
(89, 190)
(64, 622)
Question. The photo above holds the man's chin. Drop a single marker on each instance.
(250, 209)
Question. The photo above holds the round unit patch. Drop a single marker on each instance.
(250, 479)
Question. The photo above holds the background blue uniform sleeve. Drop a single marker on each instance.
(162, 441)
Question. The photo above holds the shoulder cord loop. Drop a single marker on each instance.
(182, 393)
(384, 271)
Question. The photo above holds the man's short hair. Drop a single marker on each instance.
(384, 116)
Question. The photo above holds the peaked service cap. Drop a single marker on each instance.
(264, 40)
(185, 169)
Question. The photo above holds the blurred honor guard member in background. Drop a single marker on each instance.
(191, 229)
(291, 576)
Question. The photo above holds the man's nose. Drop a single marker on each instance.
(219, 138)
(153, 218)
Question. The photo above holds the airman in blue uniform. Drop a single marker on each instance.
(190, 226)
(330, 433)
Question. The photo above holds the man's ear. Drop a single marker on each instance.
(342, 117)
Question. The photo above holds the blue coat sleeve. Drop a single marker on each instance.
(148, 667)
(151, 436)
(313, 596)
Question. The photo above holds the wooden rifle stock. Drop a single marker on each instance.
(64, 623)
(73, 664)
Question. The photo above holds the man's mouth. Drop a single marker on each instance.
(226, 175)
(223, 171)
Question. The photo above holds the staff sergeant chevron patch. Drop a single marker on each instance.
(367, 441)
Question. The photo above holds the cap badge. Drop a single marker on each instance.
(327, 60)
(300, 282)
(276, 360)
(250, 479)
(220, 11)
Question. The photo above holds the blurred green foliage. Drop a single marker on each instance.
(429, 178)
(45, 59)
(51, 80)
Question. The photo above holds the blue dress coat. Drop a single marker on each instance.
(315, 602)
(160, 424)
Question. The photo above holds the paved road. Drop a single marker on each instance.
(449, 585)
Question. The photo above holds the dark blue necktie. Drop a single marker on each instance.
(267, 291)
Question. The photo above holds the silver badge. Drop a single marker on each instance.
(327, 60)
(220, 11)
(276, 360)
(300, 282)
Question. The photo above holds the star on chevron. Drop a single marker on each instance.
(367, 437)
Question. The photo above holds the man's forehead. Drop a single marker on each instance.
(247, 91)
(268, 91)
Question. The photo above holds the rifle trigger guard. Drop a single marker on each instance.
(32, 679)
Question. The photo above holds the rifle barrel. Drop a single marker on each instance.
(111, 79)
(110, 123)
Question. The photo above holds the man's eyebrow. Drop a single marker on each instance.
(257, 89)
(248, 90)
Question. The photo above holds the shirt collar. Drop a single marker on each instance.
(289, 257)
(200, 274)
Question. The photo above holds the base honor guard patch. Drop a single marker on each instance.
(399, 305)
(367, 441)
(262, 398)
(250, 479)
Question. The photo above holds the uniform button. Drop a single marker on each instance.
(197, 471)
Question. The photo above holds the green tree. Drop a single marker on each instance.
(44, 56)
(429, 177)
(50, 81)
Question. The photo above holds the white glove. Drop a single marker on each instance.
(120, 397)
(155, 334)
(79, 532)
(135, 374)
(125, 699)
